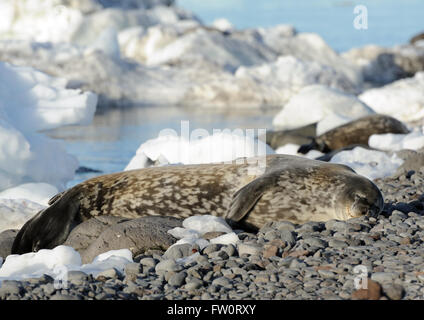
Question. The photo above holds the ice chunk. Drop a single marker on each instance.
(206, 223)
(403, 99)
(315, 103)
(369, 163)
(228, 238)
(217, 148)
(58, 261)
(180, 233)
(14, 213)
(31, 101)
(396, 142)
(36, 192)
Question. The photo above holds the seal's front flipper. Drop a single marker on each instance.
(246, 198)
(305, 148)
(48, 228)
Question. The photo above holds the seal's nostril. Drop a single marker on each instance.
(373, 211)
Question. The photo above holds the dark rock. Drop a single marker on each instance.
(138, 235)
(393, 291)
(87, 232)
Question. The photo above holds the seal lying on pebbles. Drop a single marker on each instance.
(356, 132)
(288, 188)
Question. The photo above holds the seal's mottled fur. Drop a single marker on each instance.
(290, 188)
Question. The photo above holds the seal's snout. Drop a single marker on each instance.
(367, 199)
(374, 211)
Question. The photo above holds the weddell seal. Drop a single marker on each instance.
(289, 188)
(356, 132)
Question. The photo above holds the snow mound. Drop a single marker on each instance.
(369, 163)
(40, 193)
(15, 212)
(403, 99)
(207, 223)
(31, 101)
(396, 142)
(58, 261)
(216, 148)
(80, 22)
(315, 103)
(267, 84)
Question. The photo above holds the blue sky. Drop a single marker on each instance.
(390, 21)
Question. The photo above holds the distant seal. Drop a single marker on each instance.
(354, 133)
(290, 188)
(279, 138)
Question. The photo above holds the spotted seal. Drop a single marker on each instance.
(285, 187)
(354, 133)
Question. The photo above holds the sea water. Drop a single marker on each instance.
(111, 140)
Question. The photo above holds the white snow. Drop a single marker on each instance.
(206, 223)
(40, 193)
(31, 101)
(58, 261)
(15, 212)
(228, 238)
(21, 203)
(222, 24)
(291, 149)
(369, 163)
(402, 99)
(315, 103)
(216, 148)
(395, 142)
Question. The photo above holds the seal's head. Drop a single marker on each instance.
(360, 197)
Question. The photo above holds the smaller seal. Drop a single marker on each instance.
(354, 133)
(279, 138)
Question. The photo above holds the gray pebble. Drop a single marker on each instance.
(109, 273)
(339, 244)
(393, 291)
(168, 265)
(223, 282)
(148, 262)
(249, 249)
(178, 279)
(315, 242)
(10, 287)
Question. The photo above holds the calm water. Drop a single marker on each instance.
(109, 143)
(390, 22)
